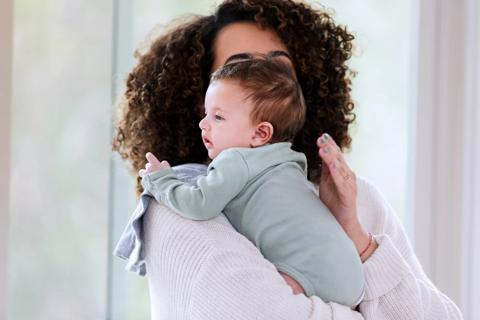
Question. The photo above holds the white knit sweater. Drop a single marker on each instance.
(207, 270)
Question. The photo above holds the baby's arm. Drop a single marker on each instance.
(226, 177)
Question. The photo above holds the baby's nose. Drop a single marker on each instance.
(202, 124)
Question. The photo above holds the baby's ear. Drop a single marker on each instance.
(263, 134)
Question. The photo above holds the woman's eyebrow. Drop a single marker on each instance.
(248, 56)
(279, 53)
(239, 56)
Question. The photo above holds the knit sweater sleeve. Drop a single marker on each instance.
(396, 286)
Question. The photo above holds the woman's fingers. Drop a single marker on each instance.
(332, 157)
(338, 188)
(325, 140)
(327, 151)
(330, 161)
(325, 173)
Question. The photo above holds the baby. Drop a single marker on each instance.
(253, 109)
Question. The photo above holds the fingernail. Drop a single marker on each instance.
(324, 138)
(326, 150)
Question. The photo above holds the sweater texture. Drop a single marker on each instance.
(207, 270)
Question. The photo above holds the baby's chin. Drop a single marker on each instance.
(212, 154)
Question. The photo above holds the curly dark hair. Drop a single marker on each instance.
(159, 111)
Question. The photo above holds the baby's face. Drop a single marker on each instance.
(227, 121)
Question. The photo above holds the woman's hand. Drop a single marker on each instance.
(153, 165)
(338, 191)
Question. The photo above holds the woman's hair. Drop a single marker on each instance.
(271, 86)
(160, 109)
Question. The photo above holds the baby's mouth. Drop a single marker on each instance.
(207, 142)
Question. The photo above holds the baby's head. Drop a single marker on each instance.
(250, 103)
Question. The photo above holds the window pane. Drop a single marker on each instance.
(129, 292)
(383, 92)
(60, 156)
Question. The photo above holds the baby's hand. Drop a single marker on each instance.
(153, 165)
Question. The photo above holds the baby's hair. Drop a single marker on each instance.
(272, 87)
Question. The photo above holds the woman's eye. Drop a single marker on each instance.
(218, 117)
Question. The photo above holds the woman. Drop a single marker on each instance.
(206, 270)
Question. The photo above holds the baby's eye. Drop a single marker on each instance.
(219, 117)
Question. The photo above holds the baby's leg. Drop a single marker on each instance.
(296, 287)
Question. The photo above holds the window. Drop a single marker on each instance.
(383, 93)
(57, 264)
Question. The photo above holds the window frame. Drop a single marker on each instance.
(121, 186)
(6, 37)
(470, 292)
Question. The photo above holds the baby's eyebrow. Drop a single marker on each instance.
(215, 109)
(219, 109)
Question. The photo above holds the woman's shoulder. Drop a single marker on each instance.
(368, 192)
(374, 211)
(162, 224)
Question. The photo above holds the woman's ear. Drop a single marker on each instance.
(263, 134)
